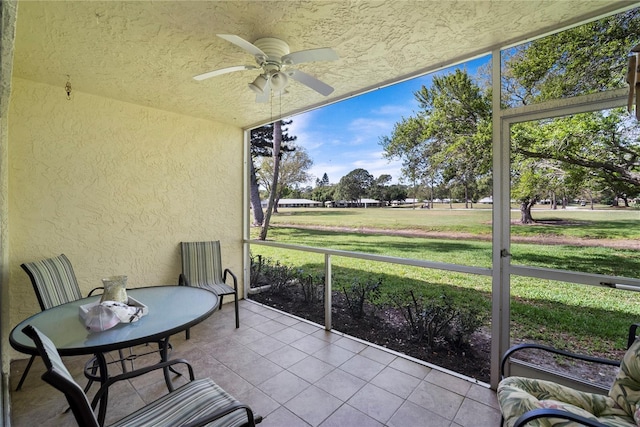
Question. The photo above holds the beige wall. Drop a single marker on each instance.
(115, 187)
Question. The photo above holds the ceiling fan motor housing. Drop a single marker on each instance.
(274, 48)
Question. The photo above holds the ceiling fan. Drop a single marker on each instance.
(274, 59)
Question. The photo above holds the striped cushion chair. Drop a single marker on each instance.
(53, 280)
(202, 267)
(55, 283)
(197, 403)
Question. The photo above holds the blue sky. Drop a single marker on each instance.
(344, 136)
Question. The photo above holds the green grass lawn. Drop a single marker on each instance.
(582, 222)
(581, 317)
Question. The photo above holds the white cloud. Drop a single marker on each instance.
(396, 111)
(370, 126)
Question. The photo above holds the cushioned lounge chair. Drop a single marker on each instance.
(534, 402)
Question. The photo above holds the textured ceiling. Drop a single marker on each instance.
(147, 52)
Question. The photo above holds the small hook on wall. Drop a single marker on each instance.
(67, 88)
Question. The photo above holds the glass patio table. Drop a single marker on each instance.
(172, 309)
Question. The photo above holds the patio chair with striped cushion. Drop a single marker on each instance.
(197, 403)
(54, 283)
(202, 267)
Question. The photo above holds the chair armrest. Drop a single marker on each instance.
(182, 280)
(99, 288)
(235, 279)
(583, 357)
(632, 334)
(534, 414)
(225, 411)
(136, 373)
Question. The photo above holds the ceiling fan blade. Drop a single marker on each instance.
(223, 71)
(321, 54)
(315, 84)
(240, 42)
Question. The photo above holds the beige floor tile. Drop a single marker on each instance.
(309, 344)
(258, 371)
(410, 367)
(472, 413)
(265, 345)
(376, 402)
(313, 405)
(286, 356)
(362, 367)
(396, 382)
(410, 414)
(340, 384)
(378, 355)
(349, 416)
(350, 344)
(311, 369)
(436, 399)
(289, 335)
(334, 355)
(455, 384)
(283, 386)
(282, 417)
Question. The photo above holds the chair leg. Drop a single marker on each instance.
(237, 312)
(92, 374)
(26, 371)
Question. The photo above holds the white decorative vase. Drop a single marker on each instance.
(115, 289)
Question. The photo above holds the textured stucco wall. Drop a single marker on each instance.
(116, 187)
(8, 14)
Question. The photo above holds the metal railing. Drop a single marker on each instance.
(328, 253)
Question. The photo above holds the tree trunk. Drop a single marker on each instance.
(256, 205)
(466, 196)
(525, 212)
(277, 143)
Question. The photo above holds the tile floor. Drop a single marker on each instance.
(291, 372)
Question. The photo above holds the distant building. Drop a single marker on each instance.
(409, 201)
(295, 203)
(362, 203)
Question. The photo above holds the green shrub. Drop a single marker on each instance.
(360, 292)
(266, 272)
(438, 321)
(312, 287)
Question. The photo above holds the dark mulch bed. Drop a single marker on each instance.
(386, 328)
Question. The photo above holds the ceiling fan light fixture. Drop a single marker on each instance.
(258, 84)
(279, 81)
